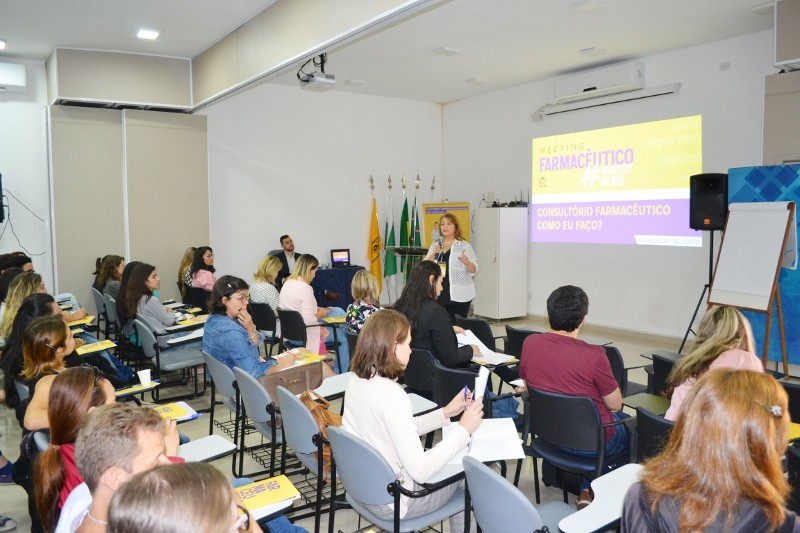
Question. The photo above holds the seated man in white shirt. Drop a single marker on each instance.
(116, 442)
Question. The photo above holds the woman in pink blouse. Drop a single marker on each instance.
(203, 268)
(724, 340)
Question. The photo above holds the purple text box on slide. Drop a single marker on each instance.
(610, 222)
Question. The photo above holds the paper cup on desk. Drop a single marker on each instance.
(144, 377)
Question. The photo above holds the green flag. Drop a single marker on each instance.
(390, 262)
(404, 232)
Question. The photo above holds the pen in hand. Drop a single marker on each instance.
(466, 391)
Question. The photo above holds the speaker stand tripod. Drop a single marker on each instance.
(706, 287)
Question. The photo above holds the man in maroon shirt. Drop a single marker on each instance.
(557, 361)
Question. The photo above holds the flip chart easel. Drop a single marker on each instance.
(755, 245)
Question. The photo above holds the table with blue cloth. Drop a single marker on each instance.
(334, 280)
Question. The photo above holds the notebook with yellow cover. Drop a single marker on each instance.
(334, 319)
(95, 347)
(267, 492)
(81, 322)
(178, 411)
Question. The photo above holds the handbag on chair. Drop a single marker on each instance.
(295, 379)
(319, 408)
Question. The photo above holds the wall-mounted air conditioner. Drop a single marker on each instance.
(12, 78)
(601, 81)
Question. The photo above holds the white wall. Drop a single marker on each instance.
(285, 160)
(23, 163)
(487, 147)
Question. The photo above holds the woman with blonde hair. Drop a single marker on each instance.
(23, 286)
(263, 290)
(721, 468)
(365, 300)
(459, 264)
(297, 295)
(724, 340)
(185, 270)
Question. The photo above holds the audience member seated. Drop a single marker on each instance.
(98, 266)
(203, 268)
(557, 361)
(364, 288)
(12, 362)
(230, 335)
(379, 412)
(185, 272)
(123, 290)
(6, 278)
(164, 500)
(263, 290)
(141, 302)
(74, 394)
(721, 468)
(16, 260)
(297, 295)
(430, 323)
(111, 274)
(116, 442)
(288, 258)
(45, 343)
(724, 340)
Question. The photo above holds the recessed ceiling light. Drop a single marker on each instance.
(476, 81)
(588, 5)
(147, 34)
(446, 51)
(2, 44)
(354, 82)
(594, 51)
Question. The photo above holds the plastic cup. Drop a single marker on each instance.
(144, 377)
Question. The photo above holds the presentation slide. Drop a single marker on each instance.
(622, 185)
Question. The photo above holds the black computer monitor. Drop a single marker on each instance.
(340, 258)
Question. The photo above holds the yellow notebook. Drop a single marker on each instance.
(76, 331)
(335, 319)
(267, 492)
(200, 319)
(794, 431)
(178, 411)
(95, 347)
(192, 310)
(81, 322)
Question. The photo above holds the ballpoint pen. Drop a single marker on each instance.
(466, 391)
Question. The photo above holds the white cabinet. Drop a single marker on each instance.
(501, 242)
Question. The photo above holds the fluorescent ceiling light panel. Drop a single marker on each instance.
(147, 34)
(446, 51)
(588, 5)
(2, 44)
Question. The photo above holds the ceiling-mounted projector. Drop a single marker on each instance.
(319, 81)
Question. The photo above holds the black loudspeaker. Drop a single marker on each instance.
(708, 201)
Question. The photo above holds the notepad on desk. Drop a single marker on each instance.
(304, 357)
(194, 321)
(76, 331)
(267, 496)
(495, 439)
(196, 334)
(95, 347)
(487, 356)
(177, 411)
(81, 322)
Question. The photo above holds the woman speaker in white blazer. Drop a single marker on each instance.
(459, 264)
